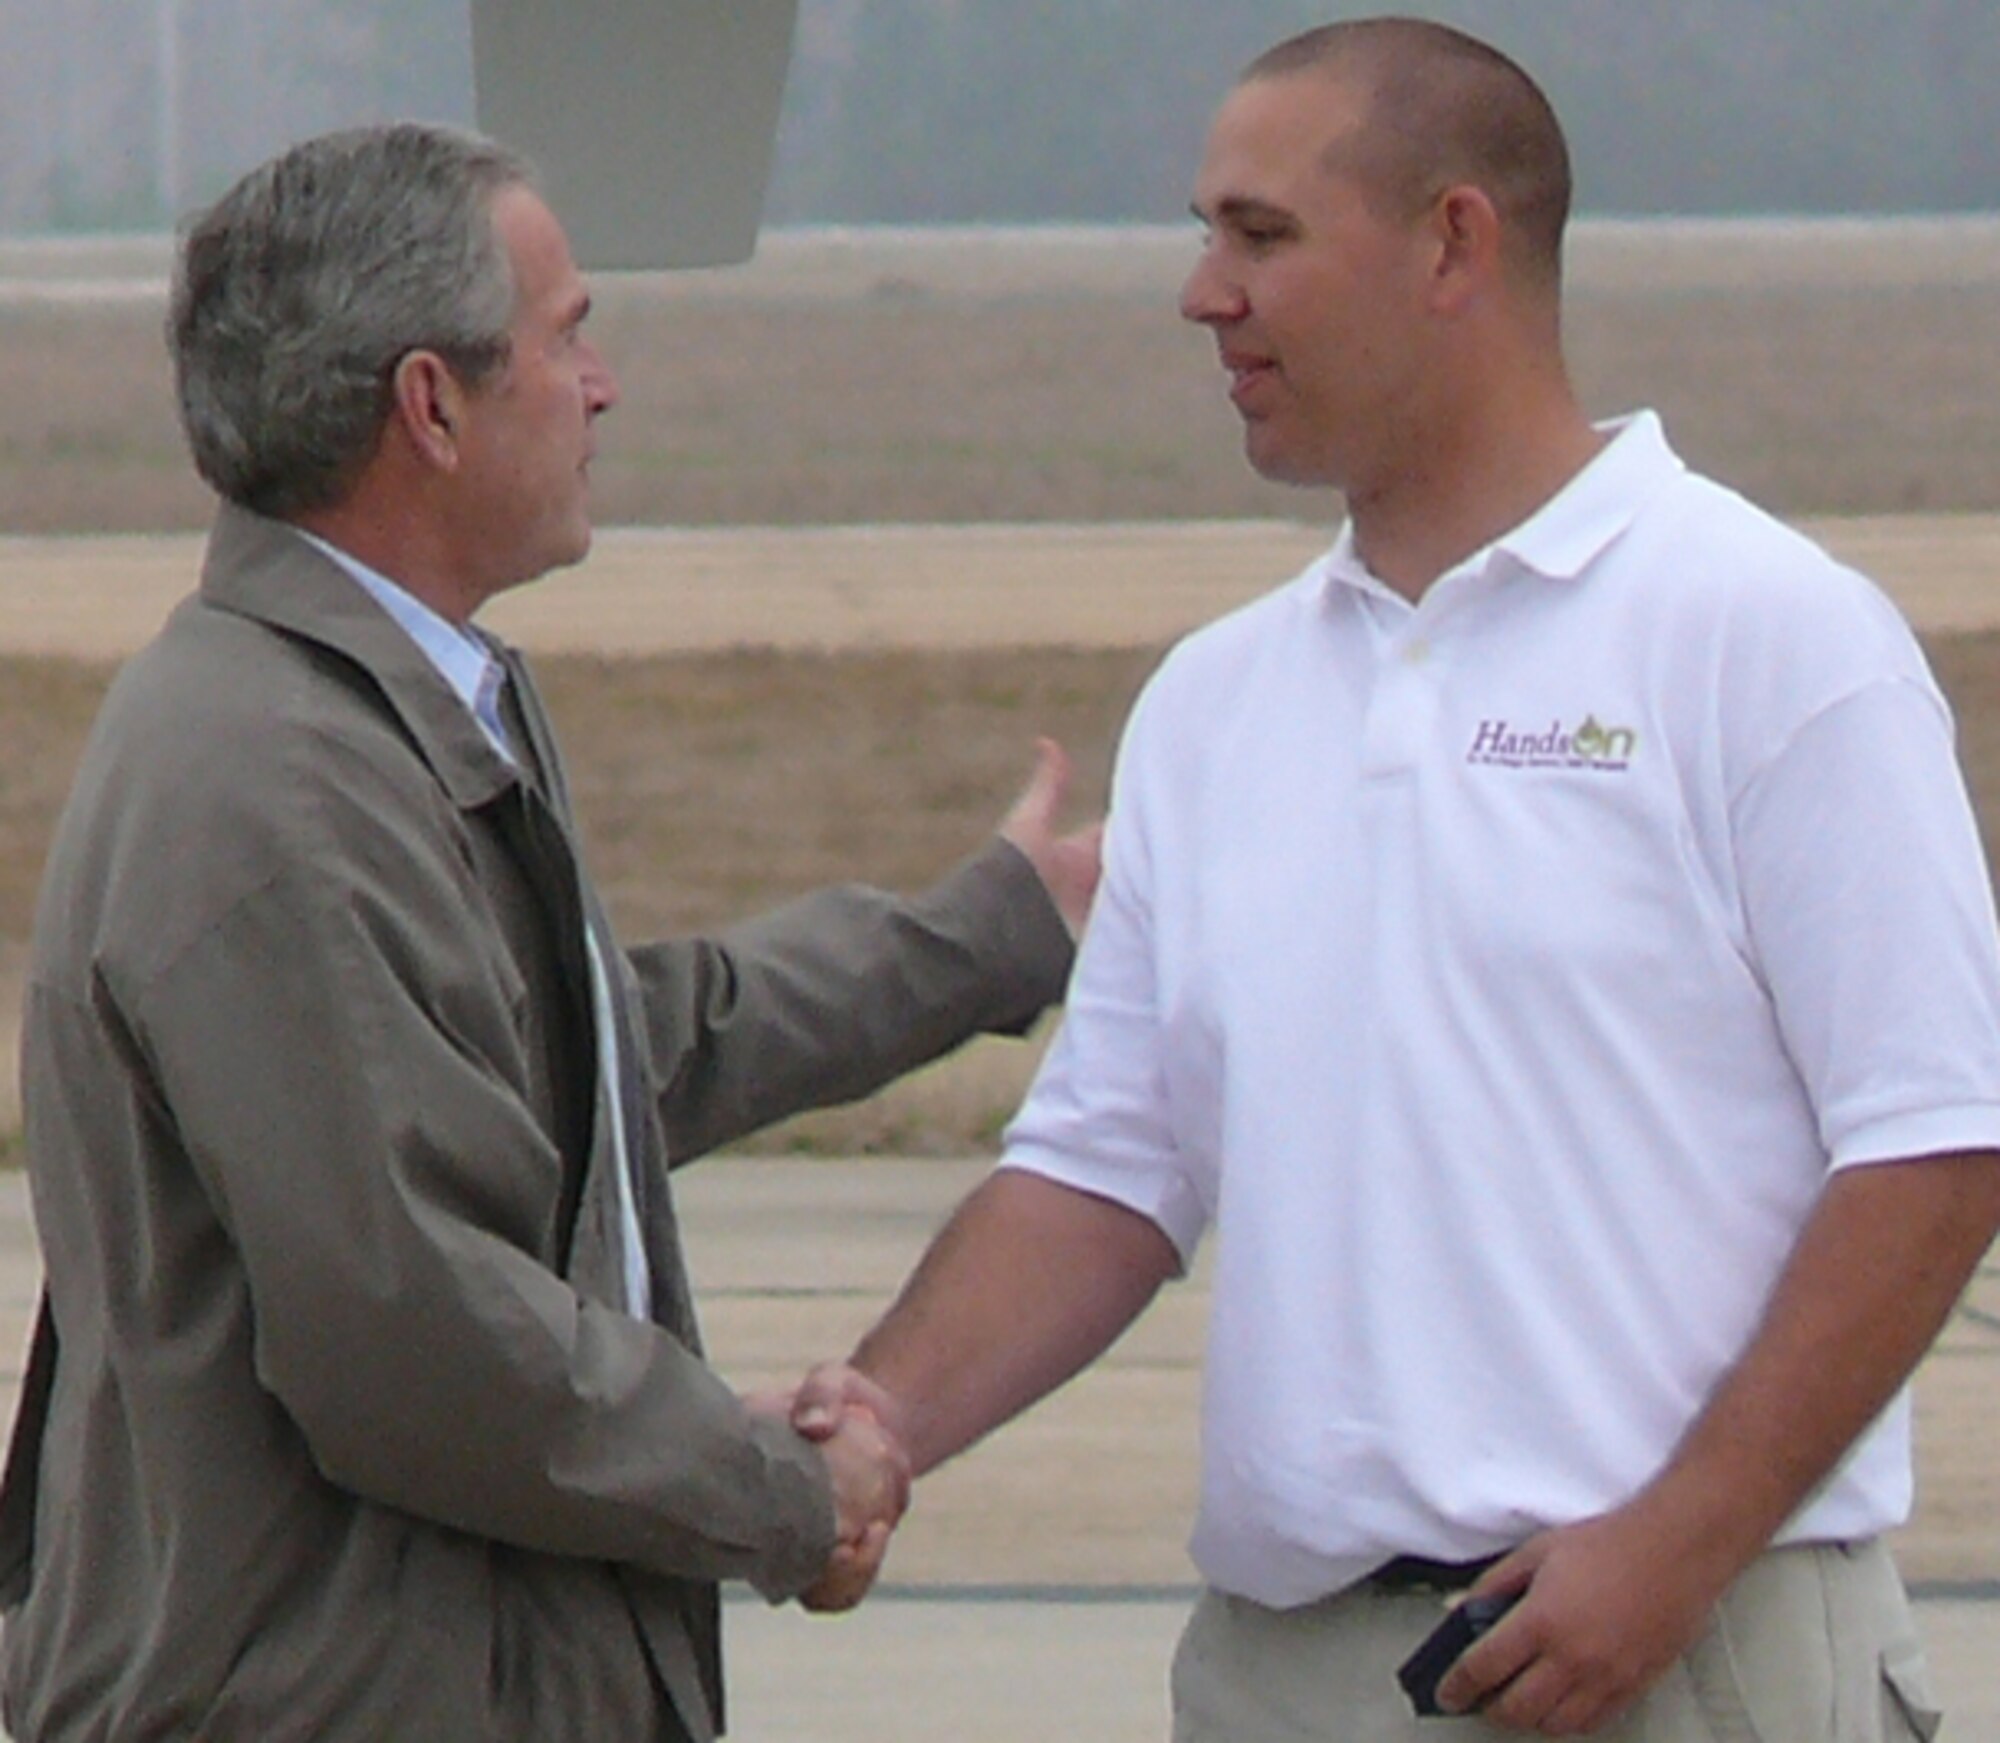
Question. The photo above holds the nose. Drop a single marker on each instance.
(599, 384)
(1210, 294)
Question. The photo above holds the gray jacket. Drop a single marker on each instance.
(334, 1426)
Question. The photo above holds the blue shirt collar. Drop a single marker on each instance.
(471, 669)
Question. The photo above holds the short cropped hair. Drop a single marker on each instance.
(1443, 109)
(297, 293)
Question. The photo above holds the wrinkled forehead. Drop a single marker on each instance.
(546, 277)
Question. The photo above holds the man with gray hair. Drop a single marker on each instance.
(366, 1398)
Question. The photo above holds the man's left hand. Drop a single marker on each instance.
(1610, 1604)
(1068, 864)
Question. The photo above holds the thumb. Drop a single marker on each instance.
(1033, 817)
(817, 1404)
(832, 1392)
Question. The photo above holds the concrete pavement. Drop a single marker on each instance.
(1040, 1582)
(1004, 1670)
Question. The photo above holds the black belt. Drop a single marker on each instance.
(1416, 1573)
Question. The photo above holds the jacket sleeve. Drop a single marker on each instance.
(831, 996)
(338, 1057)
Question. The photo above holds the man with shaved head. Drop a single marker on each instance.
(1548, 943)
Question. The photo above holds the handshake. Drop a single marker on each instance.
(857, 1427)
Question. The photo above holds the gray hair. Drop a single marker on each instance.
(297, 293)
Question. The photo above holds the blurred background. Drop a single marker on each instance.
(121, 114)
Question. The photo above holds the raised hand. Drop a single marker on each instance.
(1068, 864)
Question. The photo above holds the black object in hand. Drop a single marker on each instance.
(1424, 1669)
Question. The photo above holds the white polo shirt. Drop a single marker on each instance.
(1502, 976)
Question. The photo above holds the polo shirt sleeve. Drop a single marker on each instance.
(1871, 915)
(1100, 1116)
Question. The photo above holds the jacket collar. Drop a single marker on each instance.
(263, 570)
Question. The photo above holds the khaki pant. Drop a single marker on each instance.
(1814, 1644)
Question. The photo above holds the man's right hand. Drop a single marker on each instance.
(824, 1398)
(871, 1491)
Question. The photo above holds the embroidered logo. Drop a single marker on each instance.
(1592, 746)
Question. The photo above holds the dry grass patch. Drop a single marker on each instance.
(709, 786)
(712, 785)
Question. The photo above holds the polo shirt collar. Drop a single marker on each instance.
(1563, 537)
(1578, 524)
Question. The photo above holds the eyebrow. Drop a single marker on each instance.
(1242, 208)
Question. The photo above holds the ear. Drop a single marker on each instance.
(428, 404)
(1466, 231)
